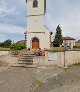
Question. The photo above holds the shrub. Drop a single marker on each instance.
(17, 46)
(40, 53)
(58, 37)
(6, 43)
(76, 46)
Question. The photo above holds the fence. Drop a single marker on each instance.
(60, 59)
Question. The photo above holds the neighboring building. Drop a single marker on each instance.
(37, 35)
(77, 43)
(23, 41)
(69, 42)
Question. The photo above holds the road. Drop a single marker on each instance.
(69, 88)
(17, 79)
(67, 81)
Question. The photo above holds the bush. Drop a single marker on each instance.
(17, 46)
(1, 44)
(76, 46)
(40, 53)
(6, 43)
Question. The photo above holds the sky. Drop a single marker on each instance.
(13, 20)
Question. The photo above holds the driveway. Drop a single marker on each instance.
(66, 81)
(69, 88)
(17, 79)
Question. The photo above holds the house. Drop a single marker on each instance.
(23, 41)
(37, 34)
(77, 43)
(69, 42)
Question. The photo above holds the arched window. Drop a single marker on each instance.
(35, 3)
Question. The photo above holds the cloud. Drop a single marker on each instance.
(5, 9)
(2, 37)
(66, 13)
(13, 21)
(11, 32)
(11, 29)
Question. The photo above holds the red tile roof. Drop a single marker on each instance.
(68, 38)
(23, 41)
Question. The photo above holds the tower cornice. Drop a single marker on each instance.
(35, 15)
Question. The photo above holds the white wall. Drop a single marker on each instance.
(35, 23)
(44, 39)
(35, 11)
(70, 58)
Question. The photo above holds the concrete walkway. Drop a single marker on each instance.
(17, 79)
(69, 88)
(66, 81)
(44, 73)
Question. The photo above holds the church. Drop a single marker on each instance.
(37, 34)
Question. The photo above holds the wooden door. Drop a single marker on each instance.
(35, 43)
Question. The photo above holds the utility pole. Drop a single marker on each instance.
(65, 48)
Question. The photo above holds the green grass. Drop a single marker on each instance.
(55, 49)
(77, 65)
(37, 83)
(62, 49)
(4, 49)
(24, 51)
(76, 49)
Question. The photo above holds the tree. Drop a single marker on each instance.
(1, 44)
(7, 43)
(58, 37)
(17, 46)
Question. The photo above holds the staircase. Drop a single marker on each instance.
(26, 61)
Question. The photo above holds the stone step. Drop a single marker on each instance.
(24, 65)
(21, 62)
(26, 60)
(28, 55)
(27, 63)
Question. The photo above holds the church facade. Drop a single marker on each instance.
(37, 34)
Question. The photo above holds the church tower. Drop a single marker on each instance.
(38, 35)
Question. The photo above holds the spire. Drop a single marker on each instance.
(26, 1)
(44, 6)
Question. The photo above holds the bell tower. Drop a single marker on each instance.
(36, 31)
(36, 7)
(35, 15)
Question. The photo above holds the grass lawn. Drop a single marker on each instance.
(4, 49)
(62, 49)
(24, 51)
(76, 49)
(55, 49)
(77, 65)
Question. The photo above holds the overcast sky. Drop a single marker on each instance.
(64, 12)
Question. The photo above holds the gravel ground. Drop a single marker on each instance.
(66, 81)
(17, 79)
(2, 62)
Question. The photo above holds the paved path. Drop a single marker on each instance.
(67, 81)
(44, 73)
(17, 79)
(3, 53)
(69, 88)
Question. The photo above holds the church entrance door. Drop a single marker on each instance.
(35, 43)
